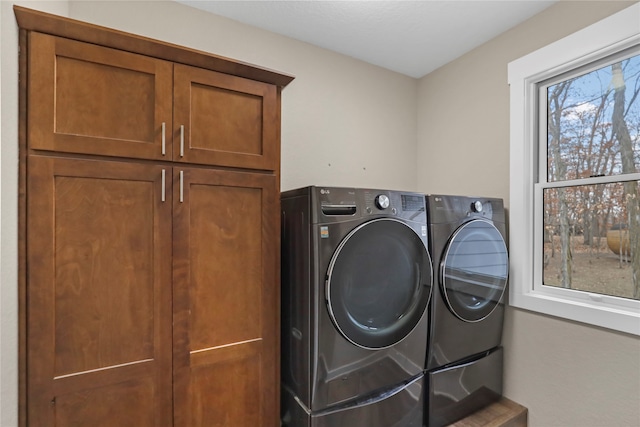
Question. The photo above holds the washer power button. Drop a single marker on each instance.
(382, 201)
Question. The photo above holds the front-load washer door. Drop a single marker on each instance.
(379, 283)
(474, 270)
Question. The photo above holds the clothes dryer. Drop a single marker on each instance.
(464, 362)
(356, 283)
(468, 243)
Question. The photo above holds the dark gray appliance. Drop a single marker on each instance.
(468, 244)
(356, 283)
(461, 389)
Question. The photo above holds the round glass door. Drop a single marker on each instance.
(474, 270)
(379, 283)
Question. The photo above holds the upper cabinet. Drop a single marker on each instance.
(224, 120)
(90, 99)
(95, 100)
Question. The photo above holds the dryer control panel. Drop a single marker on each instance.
(445, 209)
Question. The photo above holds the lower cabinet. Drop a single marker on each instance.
(226, 301)
(152, 295)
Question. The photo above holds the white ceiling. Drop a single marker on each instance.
(409, 37)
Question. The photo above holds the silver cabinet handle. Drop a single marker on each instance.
(163, 184)
(164, 140)
(181, 186)
(181, 140)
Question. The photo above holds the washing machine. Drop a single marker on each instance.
(464, 360)
(356, 285)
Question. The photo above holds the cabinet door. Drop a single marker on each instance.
(225, 120)
(84, 98)
(99, 294)
(226, 299)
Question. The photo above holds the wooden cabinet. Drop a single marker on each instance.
(99, 294)
(92, 99)
(225, 311)
(225, 120)
(149, 270)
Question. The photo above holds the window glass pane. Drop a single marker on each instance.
(591, 238)
(593, 123)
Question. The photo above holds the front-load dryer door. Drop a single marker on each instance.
(379, 283)
(473, 270)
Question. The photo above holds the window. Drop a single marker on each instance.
(575, 176)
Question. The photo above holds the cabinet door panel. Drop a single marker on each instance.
(227, 120)
(99, 286)
(234, 385)
(90, 99)
(126, 404)
(226, 299)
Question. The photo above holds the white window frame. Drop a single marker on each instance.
(604, 38)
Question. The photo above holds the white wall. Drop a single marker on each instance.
(567, 374)
(344, 122)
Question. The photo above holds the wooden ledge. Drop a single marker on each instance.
(503, 413)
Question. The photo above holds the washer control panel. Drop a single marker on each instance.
(379, 202)
(337, 204)
(396, 203)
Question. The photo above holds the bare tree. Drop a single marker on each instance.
(621, 132)
(592, 131)
(556, 100)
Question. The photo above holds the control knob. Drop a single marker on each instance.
(476, 206)
(382, 201)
